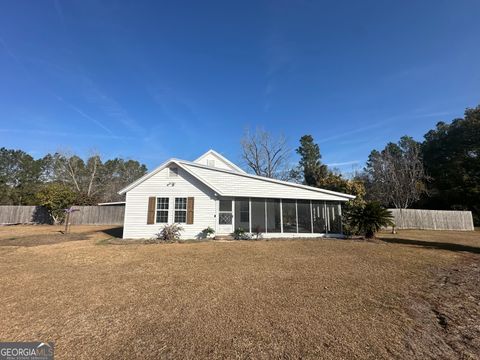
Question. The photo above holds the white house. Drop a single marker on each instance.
(213, 191)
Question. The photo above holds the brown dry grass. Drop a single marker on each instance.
(267, 299)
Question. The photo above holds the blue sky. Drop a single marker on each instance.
(152, 80)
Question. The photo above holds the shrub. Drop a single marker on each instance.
(208, 232)
(368, 219)
(169, 233)
(241, 234)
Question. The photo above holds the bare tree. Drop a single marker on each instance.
(396, 174)
(266, 154)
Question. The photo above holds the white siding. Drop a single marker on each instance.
(230, 184)
(219, 163)
(135, 225)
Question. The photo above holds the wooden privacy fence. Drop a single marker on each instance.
(432, 219)
(12, 214)
(98, 215)
(87, 215)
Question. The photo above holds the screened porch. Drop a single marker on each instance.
(289, 216)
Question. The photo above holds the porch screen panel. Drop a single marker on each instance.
(258, 215)
(304, 216)
(289, 216)
(242, 214)
(334, 217)
(273, 216)
(319, 219)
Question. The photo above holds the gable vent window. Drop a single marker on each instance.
(210, 162)
(180, 210)
(173, 172)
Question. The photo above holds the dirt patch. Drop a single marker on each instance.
(447, 313)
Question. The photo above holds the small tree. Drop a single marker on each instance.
(369, 219)
(56, 198)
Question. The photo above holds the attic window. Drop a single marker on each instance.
(173, 172)
(210, 162)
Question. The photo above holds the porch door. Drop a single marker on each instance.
(225, 217)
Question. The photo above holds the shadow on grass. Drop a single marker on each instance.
(434, 245)
(116, 232)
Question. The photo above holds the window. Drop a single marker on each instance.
(242, 214)
(318, 211)
(210, 162)
(225, 212)
(162, 210)
(304, 216)
(173, 172)
(289, 211)
(273, 216)
(180, 210)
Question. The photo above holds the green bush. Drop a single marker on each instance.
(241, 234)
(56, 197)
(368, 219)
(208, 232)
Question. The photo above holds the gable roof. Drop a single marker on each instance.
(233, 183)
(221, 158)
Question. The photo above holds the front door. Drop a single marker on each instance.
(225, 217)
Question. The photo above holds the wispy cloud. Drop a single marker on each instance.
(344, 163)
(83, 114)
(343, 134)
(64, 134)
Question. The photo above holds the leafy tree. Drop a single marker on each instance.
(451, 155)
(56, 197)
(93, 181)
(336, 182)
(117, 173)
(19, 177)
(396, 175)
(310, 165)
(369, 218)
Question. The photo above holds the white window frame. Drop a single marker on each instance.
(175, 210)
(167, 210)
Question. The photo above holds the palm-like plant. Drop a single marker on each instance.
(369, 219)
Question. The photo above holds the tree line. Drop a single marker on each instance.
(441, 172)
(28, 181)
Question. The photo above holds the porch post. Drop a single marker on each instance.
(311, 215)
(296, 213)
(281, 216)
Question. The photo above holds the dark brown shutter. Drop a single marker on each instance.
(190, 207)
(151, 210)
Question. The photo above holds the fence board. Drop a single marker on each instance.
(432, 219)
(87, 215)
